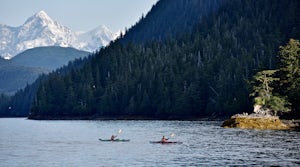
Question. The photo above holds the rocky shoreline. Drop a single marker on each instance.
(293, 123)
(262, 122)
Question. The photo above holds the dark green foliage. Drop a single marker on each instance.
(168, 18)
(195, 74)
(271, 87)
(289, 73)
(199, 69)
(127, 80)
(264, 96)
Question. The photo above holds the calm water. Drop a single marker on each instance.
(75, 143)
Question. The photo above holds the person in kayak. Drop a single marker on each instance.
(163, 140)
(113, 137)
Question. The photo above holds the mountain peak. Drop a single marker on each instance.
(41, 30)
(42, 14)
(41, 17)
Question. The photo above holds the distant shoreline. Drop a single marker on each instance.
(293, 123)
(130, 118)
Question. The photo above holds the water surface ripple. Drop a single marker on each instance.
(75, 143)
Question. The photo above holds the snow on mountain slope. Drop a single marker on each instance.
(89, 41)
(41, 30)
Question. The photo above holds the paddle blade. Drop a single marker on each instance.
(172, 135)
(120, 131)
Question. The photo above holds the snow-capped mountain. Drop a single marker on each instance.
(41, 30)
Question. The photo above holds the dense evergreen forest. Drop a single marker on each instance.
(168, 18)
(181, 71)
(20, 104)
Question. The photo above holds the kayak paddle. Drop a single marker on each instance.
(119, 132)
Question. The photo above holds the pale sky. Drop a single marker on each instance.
(78, 15)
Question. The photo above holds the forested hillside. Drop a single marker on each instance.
(200, 71)
(20, 103)
(24, 68)
(49, 57)
(169, 18)
(15, 77)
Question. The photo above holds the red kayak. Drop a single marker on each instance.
(166, 142)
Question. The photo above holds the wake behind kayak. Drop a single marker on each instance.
(166, 142)
(116, 140)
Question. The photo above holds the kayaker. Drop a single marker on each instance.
(113, 137)
(163, 140)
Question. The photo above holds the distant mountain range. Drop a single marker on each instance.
(25, 67)
(14, 77)
(48, 58)
(41, 30)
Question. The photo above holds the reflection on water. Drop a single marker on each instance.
(75, 143)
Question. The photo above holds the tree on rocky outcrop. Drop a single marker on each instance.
(265, 101)
(285, 80)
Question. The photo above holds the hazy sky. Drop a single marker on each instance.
(79, 15)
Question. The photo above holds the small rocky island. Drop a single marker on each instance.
(260, 119)
(274, 92)
(255, 121)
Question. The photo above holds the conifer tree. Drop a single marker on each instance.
(263, 92)
(289, 72)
